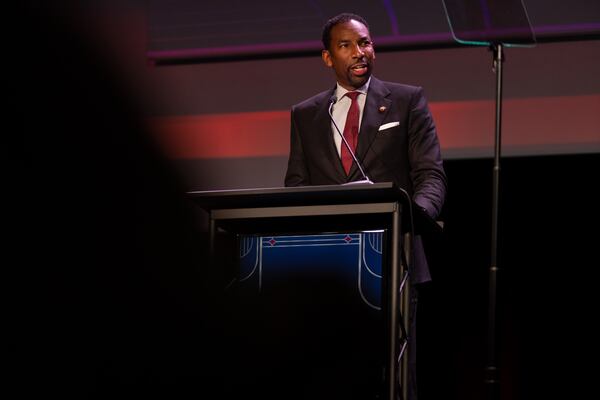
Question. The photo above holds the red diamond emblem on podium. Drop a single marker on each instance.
(347, 239)
(272, 242)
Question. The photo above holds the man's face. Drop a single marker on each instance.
(351, 54)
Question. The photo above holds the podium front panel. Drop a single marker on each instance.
(299, 334)
(315, 305)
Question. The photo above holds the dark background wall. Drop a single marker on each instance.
(187, 31)
(546, 300)
(100, 313)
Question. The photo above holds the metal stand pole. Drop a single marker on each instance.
(491, 378)
(396, 265)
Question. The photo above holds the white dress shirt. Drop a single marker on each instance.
(340, 111)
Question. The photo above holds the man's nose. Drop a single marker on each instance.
(357, 51)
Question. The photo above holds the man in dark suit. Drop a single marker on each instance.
(397, 139)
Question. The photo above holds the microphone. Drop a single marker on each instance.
(332, 101)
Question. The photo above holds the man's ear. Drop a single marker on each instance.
(326, 56)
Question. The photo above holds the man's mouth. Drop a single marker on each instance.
(359, 69)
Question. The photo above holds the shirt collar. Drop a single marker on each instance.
(340, 91)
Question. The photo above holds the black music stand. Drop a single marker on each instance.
(495, 24)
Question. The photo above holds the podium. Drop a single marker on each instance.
(340, 209)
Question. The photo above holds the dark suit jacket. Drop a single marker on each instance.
(407, 154)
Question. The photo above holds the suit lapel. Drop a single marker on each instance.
(371, 120)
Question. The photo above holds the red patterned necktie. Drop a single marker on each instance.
(350, 131)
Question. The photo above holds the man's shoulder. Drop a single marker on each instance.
(396, 87)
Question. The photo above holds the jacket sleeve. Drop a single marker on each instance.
(427, 171)
(297, 172)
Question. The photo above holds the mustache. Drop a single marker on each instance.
(364, 63)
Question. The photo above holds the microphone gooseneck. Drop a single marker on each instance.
(332, 101)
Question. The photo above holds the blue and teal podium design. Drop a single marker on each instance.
(319, 286)
(354, 258)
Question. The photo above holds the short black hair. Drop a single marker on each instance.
(339, 19)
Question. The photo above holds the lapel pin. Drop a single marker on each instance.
(381, 109)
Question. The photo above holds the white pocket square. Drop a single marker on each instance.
(388, 125)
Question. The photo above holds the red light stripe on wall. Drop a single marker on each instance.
(254, 134)
(462, 125)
